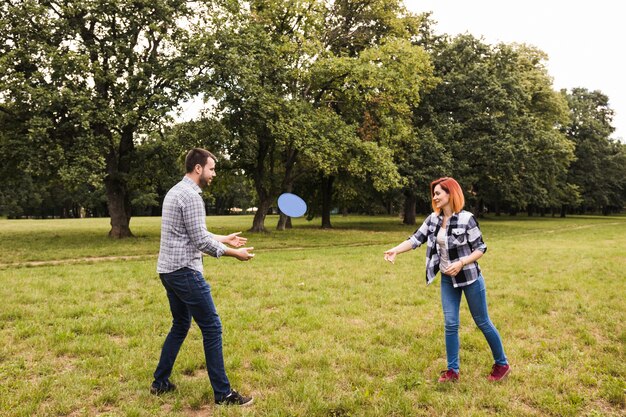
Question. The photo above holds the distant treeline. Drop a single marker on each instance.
(355, 106)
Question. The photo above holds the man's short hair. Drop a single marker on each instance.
(197, 156)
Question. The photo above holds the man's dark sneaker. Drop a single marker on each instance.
(498, 372)
(449, 376)
(161, 388)
(234, 398)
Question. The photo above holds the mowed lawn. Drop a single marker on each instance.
(317, 324)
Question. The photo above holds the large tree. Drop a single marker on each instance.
(373, 77)
(86, 78)
(599, 168)
(498, 118)
(315, 86)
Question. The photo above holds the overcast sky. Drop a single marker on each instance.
(585, 40)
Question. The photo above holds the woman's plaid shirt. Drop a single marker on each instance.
(464, 237)
(184, 236)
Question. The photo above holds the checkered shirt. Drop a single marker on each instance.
(184, 236)
(464, 236)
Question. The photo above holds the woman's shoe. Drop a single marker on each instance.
(498, 372)
(449, 376)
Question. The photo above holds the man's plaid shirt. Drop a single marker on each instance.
(184, 236)
(464, 236)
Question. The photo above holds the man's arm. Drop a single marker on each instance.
(194, 218)
(243, 254)
(232, 239)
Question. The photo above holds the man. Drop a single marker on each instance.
(184, 237)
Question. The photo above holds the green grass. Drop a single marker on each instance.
(317, 324)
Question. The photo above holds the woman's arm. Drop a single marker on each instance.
(416, 240)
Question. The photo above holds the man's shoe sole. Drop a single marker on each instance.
(249, 403)
(159, 392)
(155, 391)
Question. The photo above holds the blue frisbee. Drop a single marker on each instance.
(291, 205)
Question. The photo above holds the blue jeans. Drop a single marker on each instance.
(190, 296)
(476, 296)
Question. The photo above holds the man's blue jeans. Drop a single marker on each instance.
(476, 296)
(190, 296)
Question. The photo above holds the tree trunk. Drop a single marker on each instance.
(258, 224)
(327, 194)
(284, 222)
(563, 210)
(263, 178)
(116, 186)
(410, 203)
(118, 204)
(478, 211)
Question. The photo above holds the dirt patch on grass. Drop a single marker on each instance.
(85, 260)
(203, 411)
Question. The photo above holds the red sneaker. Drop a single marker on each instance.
(449, 376)
(498, 372)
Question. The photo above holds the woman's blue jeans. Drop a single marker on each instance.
(190, 296)
(476, 296)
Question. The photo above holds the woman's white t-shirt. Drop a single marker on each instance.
(444, 260)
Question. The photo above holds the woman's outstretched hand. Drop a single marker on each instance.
(390, 255)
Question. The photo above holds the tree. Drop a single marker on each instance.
(317, 86)
(543, 153)
(383, 84)
(598, 170)
(371, 79)
(105, 70)
(499, 120)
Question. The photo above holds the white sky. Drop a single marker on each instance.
(585, 40)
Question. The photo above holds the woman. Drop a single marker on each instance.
(454, 244)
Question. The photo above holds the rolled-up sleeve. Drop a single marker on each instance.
(419, 237)
(475, 236)
(194, 219)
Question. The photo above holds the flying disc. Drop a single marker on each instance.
(291, 205)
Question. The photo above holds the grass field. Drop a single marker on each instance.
(316, 325)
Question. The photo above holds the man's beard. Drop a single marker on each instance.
(203, 180)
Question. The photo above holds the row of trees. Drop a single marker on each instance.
(351, 104)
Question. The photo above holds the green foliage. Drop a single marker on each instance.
(599, 169)
(296, 101)
(351, 104)
(498, 119)
(82, 79)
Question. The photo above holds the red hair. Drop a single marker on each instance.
(450, 186)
